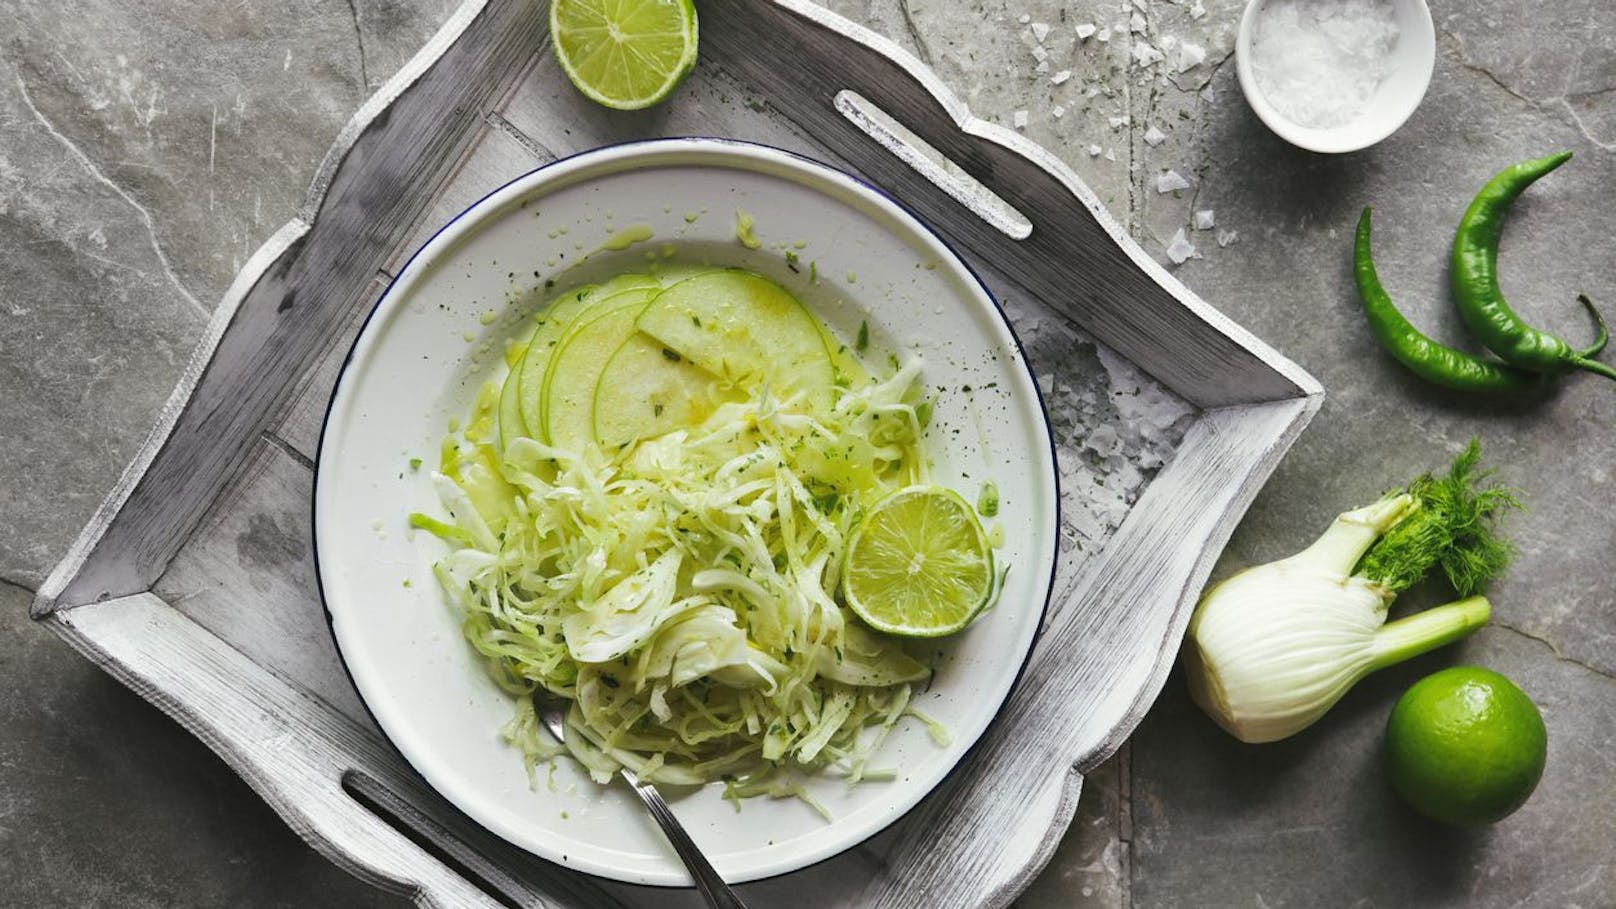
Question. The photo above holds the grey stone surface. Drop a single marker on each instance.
(147, 147)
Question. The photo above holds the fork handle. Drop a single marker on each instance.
(712, 887)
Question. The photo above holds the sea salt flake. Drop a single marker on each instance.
(1094, 151)
(1137, 23)
(1144, 55)
(1154, 136)
(1025, 18)
(1103, 35)
(1039, 54)
(1118, 122)
(1040, 31)
(1170, 182)
(1181, 250)
(1207, 94)
(1110, 154)
(1085, 30)
(1225, 237)
(1318, 62)
(1197, 11)
(1057, 112)
(1042, 67)
(1019, 118)
(1190, 56)
(1204, 220)
(1060, 77)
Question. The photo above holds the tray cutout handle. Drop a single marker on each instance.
(555, 887)
(932, 164)
(376, 798)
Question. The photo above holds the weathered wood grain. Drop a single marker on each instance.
(500, 156)
(713, 102)
(248, 577)
(298, 421)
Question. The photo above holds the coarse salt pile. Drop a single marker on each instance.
(1318, 62)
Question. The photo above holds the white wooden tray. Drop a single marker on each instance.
(194, 582)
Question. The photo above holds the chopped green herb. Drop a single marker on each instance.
(987, 500)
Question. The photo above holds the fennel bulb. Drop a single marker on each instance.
(1272, 648)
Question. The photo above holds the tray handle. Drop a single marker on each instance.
(928, 162)
(1061, 246)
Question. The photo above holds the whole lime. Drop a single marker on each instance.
(1465, 746)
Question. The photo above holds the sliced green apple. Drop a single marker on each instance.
(648, 390)
(746, 329)
(577, 364)
(553, 325)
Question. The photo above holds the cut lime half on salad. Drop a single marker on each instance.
(625, 54)
(919, 565)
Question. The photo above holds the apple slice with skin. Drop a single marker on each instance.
(553, 325)
(746, 330)
(648, 390)
(577, 365)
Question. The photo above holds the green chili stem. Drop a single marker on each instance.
(1423, 631)
(1603, 336)
(1593, 366)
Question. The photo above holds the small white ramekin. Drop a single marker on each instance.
(1413, 60)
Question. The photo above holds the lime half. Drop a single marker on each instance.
(625, 54)
(919, 564)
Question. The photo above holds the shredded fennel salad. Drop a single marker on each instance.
(681, 589)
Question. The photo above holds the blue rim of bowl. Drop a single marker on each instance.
(693, 141)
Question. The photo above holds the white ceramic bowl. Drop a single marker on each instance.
(426, 350)
(1399, 94)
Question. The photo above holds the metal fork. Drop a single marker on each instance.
(552, 713)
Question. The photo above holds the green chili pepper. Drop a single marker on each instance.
(1428, 359)
(1475, 280)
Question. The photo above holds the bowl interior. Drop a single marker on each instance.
(1394, 101)
(439, 334)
